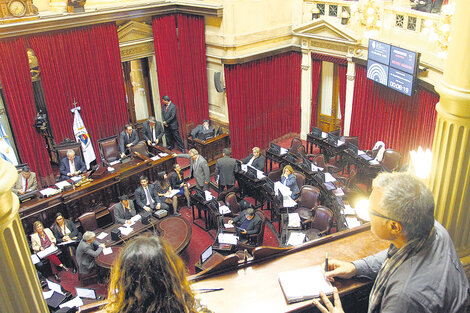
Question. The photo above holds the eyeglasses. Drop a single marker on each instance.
(372, 212)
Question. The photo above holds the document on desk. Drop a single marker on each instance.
(338, 192)
(227, 238)
(208, 194)
(76, 178)
(48, 251)
(304, 284)
(102, 236)
(107, 250)
(348, 210)
(352, 222)
(63, 184)
(260, 174)
(136, 218)
(296, 238)
(75, 302)
(283, 151)
(163, 154)
(288, 202)
(155, 158)
(49, 192)
(283, 189)
(114, 162)
(126, 230)
(329, 178)
(172, 193)
(294, 220)
(228, 225)
(223, 209)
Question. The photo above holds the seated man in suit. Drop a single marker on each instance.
(152, 131)
(87, 251)
(177, 182)
(225, 168)
(124, 210)
(198, 168)
(71, 166)
(255, 159)
(127, 138)
(147, 197)
(248, 223)
(26, 182)
(198, 131)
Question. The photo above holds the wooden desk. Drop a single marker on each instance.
(174, 229)
(212, 148)
(257, 284)
(100, 193)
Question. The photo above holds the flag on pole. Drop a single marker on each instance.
(81, 135)
(6, 151)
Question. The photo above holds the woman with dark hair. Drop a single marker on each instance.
(65, 231)
(163, 188)
(288, 179)
(42, 239)
(148, 277)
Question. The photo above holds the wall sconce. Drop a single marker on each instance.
(344, 17)
(315, 13)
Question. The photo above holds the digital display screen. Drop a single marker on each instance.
(400, 81)
(379, 51)
(377, 72)
(403, 60)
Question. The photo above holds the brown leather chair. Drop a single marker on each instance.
(256, 240)
(319, 160)
(307, 202)
(321, 223)
(232, 202)
(140, 148)
(88, 221)
(109, 149)
(111, 211)
(295, 145)
(300, 178)
(85, 279)
(188, 127)
(63, 147)
(275, 175)
(391, 160)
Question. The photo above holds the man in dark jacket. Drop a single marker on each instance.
(225, 168)
(152, 131)
(147, 197)
(255, 160)
(87, 251)
(248, 223)
(170, 123)
(127, 138)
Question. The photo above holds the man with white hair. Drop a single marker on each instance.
(72, 165)
(87, 251)
(421, 271)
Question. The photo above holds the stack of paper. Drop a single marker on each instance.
(136, 218)
(49, 192)
(223, 209)
(209, 196)
(107, 250)
(352, 222)
(172, 193)
(227, 238)
(114, 162)
(48, 251)
(155, 158)
(294, 220)
(126, 230)
(296, 238)
(102, 236)
(75, 302)
(288, 202)
(348, 210)
(76, 178)
(62, 184)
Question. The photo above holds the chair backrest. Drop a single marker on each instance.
(275, 175)
(300, 178)
(323, 219)
(320, 161)
(109, 148)
(351, 180)
(308, 196)
(391, 160)
(111, 211)
(351, 139)
(63, 147)
(88, 221)
(141, 148)
(188, 127)
(232, 202)
(336, 132)
(260, 236)
(295, 144)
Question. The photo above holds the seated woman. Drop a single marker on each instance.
(42, 239)
(148, 276)
(163, 188)
(177, 182)
(288, 179)
(66, 231)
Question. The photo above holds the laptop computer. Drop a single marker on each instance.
(274, 148)
(316, 132)
(85, 293)
(206, 254)
(252, 172)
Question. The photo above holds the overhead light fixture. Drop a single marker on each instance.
(315, 12)
(344, 17)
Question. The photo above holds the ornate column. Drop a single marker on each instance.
(351, 75)
(306, 91)
(19, 285)
(450, 174)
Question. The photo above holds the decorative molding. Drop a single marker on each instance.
(351, 77)
(305, 67)
(137, 51)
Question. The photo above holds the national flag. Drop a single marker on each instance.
(6, 151)
(81, 135)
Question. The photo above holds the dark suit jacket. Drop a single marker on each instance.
(258, 163)
(65, 167)
(147, 132)
(86, 254)
(119, 212)
(199, 170)
(175, 181)
(57, 231)
(254, 226)
(292, 184)
(141, 198)
(225, 168)
(124, 140)
(197, 132)
(170, 115)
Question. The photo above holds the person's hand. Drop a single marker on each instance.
(243, 231)
(123, 155)
(77, 172)
(102, 245)
(158, 206)
(230, 221)
(165, 124)
(174, 155)
(146, 208)
(129, 145)
(341, 269)
(149, 142)
(330, 308)
(181, 185)
(128, 222)
(65, 238)
(21, 192)
(156, 141)
(41, 249)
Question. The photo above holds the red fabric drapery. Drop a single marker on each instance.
(181, 64)
(316, 77)
(342, 70)
(403, 123)
(329, 58)
(83, 65)
(18, 91)
(263, 100)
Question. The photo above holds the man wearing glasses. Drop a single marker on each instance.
(421, 271)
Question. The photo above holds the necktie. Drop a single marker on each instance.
(147, 194)
(26, 185)
(166, 108)
(179, 175)
(72, 167)
(153, 134)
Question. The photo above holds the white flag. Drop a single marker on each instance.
(81, 135)
(6, 151)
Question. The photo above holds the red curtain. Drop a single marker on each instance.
(83, 65)
(263, 100)
(316, 77)
(329, 58)
(181, 64)
(18, 90)
(379, 113)
(342, 70)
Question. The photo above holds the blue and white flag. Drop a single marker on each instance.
(6, 151)
(81, 135)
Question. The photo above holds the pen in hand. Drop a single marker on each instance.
(326, 262)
